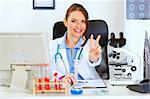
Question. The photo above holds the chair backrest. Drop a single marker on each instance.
(95, 27)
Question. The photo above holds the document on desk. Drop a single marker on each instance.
(97, 83)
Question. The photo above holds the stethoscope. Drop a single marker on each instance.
(59, 54)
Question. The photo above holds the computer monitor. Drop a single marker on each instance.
(147, 56)
(23, 48)
(144, 86)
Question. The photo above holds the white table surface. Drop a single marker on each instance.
(109, 91)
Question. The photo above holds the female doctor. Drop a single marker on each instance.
(73, 51)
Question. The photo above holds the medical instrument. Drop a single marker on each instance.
(42, 75)
(76, 61)
(60, 85)
(59, 54)
(117, 42)
(124, 67)
(46, 77)
(79, 57)
(55, 80)
(55, 86)
(39, 73)
(75, 66)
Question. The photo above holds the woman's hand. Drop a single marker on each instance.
(95, 49)
(70, 79)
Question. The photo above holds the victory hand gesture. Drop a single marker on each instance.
(95, 49)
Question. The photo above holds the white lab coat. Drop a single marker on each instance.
(85, 68)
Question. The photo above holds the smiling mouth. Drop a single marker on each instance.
(78, 30)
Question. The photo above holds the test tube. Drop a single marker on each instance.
(60, 80)
(55, 80)
(40, 77)
(47, 78)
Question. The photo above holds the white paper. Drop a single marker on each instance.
(43, 3)
(97, 83)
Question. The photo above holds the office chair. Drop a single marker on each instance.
(95, 27)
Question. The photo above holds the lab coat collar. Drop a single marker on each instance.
(63, 44)
(64, 54)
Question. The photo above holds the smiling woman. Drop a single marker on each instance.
(43, 4)
(76, 24)
(79, 56)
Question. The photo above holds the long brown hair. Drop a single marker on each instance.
(78, 7)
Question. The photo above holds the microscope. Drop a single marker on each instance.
(124, 65)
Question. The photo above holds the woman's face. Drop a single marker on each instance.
(76, 24)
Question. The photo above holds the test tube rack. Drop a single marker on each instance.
(62, 87)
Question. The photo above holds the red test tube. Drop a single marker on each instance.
(60, 85)
(40, 81)
(47, 78)
(55, 80)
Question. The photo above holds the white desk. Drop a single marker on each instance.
(109, 91)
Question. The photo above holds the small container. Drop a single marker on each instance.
(76, 90)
